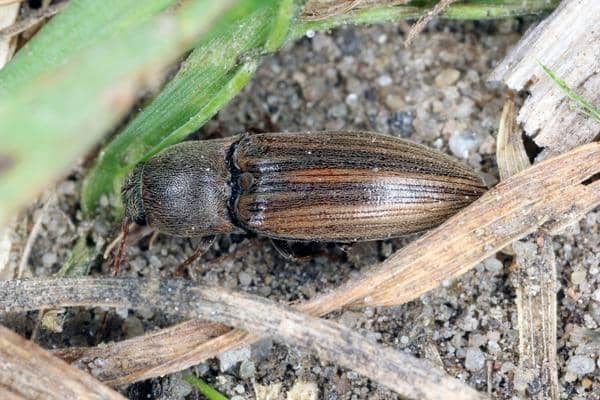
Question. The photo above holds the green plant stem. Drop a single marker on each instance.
(588, 108)
(50, 121)
(209, 392)
(471, 10)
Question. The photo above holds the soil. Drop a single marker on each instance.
(360, 78)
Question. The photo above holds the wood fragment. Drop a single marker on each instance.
(30, 372)
(33, 19)
(534, 277)
(135, 357)
(568, 42)
(423, 20)
(8, 15)
(405, 374)
(511, 156)
(526, 201)
(535, 286)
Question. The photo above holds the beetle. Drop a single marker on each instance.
(307, 186)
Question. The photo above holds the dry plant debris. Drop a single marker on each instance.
(405, 374)
(322, 9)
(546, 193)
(568, 42)
(33, 19)
(29, 372)
(8, 15)
(424, 19)
(535, 280)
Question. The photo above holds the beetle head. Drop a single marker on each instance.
(131, 194)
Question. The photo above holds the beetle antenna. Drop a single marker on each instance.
(119, 257)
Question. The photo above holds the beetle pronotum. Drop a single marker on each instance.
(306, 186)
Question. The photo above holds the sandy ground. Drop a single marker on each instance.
(352, 78)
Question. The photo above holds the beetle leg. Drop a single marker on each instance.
(117, 260)
(285, 250)
(204, 245)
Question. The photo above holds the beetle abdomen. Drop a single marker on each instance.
(346, 186)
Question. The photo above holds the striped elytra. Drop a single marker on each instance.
(321, 186)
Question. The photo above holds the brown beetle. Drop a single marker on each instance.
(321, 186)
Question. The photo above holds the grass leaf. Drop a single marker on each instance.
(207, 391)
(46, 123)
(587, 108)
(213, 73)
(81, 24)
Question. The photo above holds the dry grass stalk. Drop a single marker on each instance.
(568, 42)
(405, 374)
(321, 9)
(32, 19)
(134, 356)
(536, 309)
(548, 192)
(534, 277)
(418, 26)
(8, 15)
(510, 151)
(30, 372)
(48, 201)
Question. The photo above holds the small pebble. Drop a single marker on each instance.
(245, 278)
(49, 259)
(247, 369)
(384, 80)
(232, 357)
(447, 77)
(463, 144)
(474, 359)
(581, 365)
(492, 264)
(578, 277)
(239, 389)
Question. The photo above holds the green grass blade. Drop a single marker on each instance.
(204, 388)
(587, 108)
(213, 73)
(468, 10)
(81, 24)
(52, 120)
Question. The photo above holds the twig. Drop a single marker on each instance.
(30, 372)
(35, 231)
(424, 19)
(31, 20)
(407, 375)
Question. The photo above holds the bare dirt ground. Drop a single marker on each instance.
(352, 78)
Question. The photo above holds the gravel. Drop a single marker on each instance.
(351, 78)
